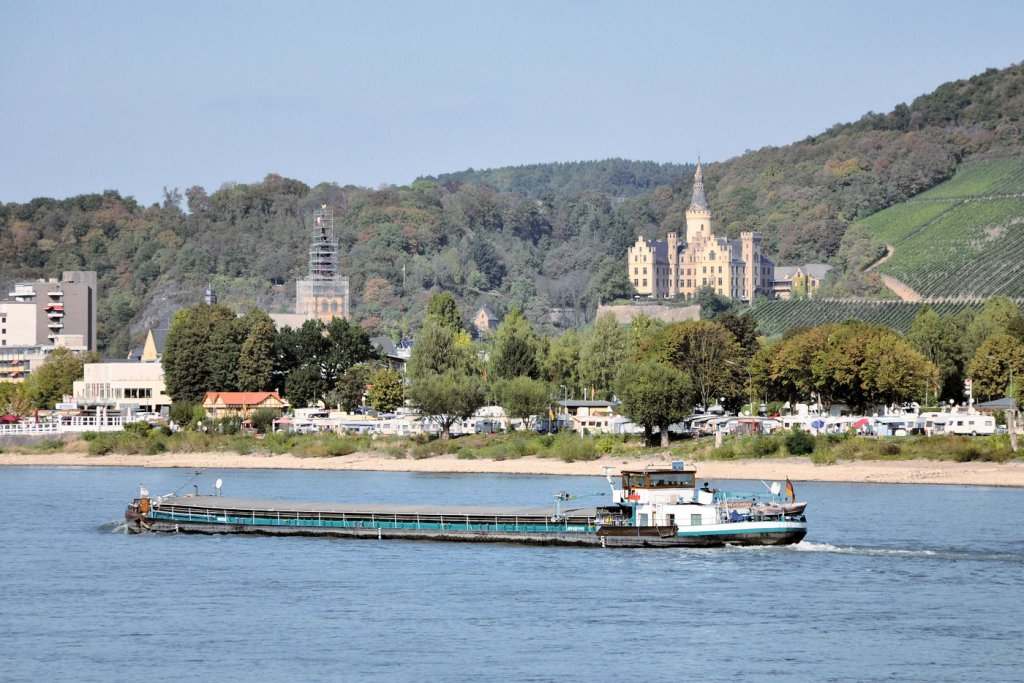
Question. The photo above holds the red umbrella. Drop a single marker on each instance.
(860, 423)
(8, 419)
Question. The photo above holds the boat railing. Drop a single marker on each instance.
(374, 520)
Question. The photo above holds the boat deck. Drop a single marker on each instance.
(242, 507)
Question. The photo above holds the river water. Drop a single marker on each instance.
(893, 583)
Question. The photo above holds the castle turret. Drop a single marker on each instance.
(698, 216)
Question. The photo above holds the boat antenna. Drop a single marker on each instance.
(187, 482)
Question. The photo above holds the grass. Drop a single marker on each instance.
(568, 447)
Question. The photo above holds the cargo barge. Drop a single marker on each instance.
(650, 507)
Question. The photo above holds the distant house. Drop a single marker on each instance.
(397, 354)
(802, 280)
(122, 386)
(484, 321)
(153, 348)
(219, 404)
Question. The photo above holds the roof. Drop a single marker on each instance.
(486, 311)
(385, 344)
(159, 338)
(699, 200)
(998, 404)
(571, 403)
(241, 398)
(818, 270)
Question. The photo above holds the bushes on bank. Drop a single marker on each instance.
(799, 442)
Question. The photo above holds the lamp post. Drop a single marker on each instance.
(750, 383)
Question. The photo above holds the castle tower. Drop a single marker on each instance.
(323, 294)
(698, 216)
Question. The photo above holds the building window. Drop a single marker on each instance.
(645, 271)
(645, 282)
(636, 282)
(635, 271)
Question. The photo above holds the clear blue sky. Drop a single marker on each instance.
(135, 96)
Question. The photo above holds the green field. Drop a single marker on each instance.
(964, 237)
(776, 316)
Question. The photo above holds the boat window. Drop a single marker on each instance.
(695, 520)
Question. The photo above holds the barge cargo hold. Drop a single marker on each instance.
(653, 507)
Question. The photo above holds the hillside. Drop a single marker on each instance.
(962, 238)
(613, 177)
(541, 237)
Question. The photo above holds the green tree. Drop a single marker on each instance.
(181, 412)
(442, 309)
(439, 349)
(187, 354)
(446, 397)
(653, 395)
(610, 282)
(602, 350)
(387, 390)
(990, 369)
(256, 358)
(523, 397)
(561, 363)
(262, 419)
(316, 356)
(516, 349)
(711, 303)
(54, 379)
(350, 388)
(709, 354)
(14, 399)
(930, 335)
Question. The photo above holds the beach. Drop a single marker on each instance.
(796, 469)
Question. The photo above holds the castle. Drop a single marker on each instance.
(733, 268)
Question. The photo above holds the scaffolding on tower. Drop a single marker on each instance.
(323, 294)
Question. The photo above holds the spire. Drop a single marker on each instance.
(699, 201)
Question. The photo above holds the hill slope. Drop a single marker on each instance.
(963, 238)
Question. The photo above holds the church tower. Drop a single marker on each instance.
(698, 216)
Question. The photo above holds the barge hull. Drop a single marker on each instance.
(598, 539)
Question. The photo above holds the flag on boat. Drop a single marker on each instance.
(789, 490)
(143, 491)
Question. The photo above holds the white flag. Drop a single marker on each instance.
(143, 491)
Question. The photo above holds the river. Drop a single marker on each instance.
(893, 583)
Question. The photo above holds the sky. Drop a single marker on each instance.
(139, 96)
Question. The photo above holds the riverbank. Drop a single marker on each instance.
(797, 469)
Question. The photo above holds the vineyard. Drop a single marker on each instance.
(963, 238)
(775, 316)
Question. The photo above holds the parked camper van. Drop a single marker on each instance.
(974, 424)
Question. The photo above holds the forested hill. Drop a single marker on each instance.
(544, 245)
(613, 177)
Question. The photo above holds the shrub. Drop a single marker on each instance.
(400, 451)
(825, 457)
(181, 413)
(89, 436)
(263, 419)
(229, 425)
(890, 448)
(764, 445)
(799, 442)
(575, 449)
(101, 444)
(140, 427)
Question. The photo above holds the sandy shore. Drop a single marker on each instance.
(797, 469)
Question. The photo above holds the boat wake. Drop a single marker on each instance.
(913, 553)
(115, 527)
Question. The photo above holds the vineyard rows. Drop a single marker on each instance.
(963, 238)
(776, 316)
(981, 179)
